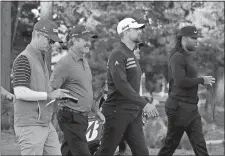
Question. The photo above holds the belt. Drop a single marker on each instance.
(66, 101)
(67, 109)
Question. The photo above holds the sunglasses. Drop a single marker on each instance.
(194, 38)
(50, 41)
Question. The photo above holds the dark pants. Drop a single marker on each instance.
(74, 127)
(126, 124)
(183, 117)
(122, 146)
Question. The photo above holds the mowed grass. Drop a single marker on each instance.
(10, 146)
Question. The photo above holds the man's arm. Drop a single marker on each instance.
(21, 81)
(3, 92)
(98, 114)
(6, 94)
(96, 105)
(117, 67)
(59, 76)
(178, 64)
(27, 94)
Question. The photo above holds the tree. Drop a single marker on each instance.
(5, 44)
(5, 60)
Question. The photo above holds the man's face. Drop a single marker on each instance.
(84, 45)
(135, 34)
(44, 42)
(191, 43)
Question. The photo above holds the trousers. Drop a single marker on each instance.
(122, 123)
(183, 117)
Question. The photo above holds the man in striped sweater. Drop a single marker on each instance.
(32, 120)
(124, 106)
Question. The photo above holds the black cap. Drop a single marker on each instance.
(80, 31)
(48, 27)
(189, 31)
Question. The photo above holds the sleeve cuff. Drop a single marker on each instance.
(201, 80)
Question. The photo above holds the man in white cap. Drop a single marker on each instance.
(124, 106)
(32, 120)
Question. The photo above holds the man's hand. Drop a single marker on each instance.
(57, 94)
(208, 80)
(7, 95)
(10, 96)
(150, 110)
(100, 117)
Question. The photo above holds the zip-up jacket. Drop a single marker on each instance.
(123, 76)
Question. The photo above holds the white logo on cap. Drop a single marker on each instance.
(124, 27)
(85, 31)
(116, 63)
(44, 28)
(55, 30)
(128, 25)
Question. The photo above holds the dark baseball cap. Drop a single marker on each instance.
(48, 27)
(189, 31)
(80, 31)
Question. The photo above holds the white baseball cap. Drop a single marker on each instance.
(128, 23)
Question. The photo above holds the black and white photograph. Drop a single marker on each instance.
(112, 78)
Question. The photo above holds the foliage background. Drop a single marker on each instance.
(162, 19)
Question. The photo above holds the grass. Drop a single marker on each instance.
(10, 146)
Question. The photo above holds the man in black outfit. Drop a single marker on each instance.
(124, 106)
(181, 106)
(73, 73)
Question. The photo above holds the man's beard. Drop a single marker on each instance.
(137, 40)
(190, 47)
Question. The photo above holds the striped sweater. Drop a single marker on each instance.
(21, 72)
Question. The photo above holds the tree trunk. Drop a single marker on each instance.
(46, 14)
(19, 9)
(5, 44)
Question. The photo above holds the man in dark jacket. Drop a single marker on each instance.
(181, 105)
(124, 106)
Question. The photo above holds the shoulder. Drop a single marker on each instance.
(21, 59)
(60, 69)
(117, 53)
(177, 57)
(64, 61)
(23, 55)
